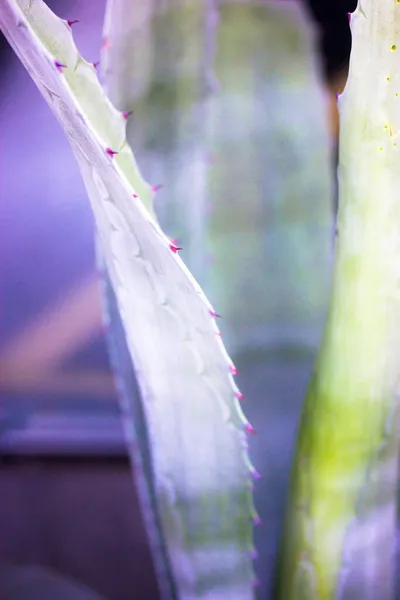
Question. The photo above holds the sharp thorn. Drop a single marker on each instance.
(250, 429)
(70, 23)
(155, 188)
(214, 314)
(59, 66)
(175, 248)
(255, 474)
(96, 64)
(126, 114)
(111, 153)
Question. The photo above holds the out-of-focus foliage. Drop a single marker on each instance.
(233, 124)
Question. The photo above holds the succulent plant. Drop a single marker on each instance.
(341, 523)
(195, 426)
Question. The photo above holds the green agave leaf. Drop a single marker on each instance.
(342, 511)
(196, 429)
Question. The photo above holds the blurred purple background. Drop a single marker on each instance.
(56, 386)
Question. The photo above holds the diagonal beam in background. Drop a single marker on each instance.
(31, 360)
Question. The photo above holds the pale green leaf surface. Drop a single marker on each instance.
(195, 425)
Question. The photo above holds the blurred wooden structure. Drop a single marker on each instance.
(80, 518)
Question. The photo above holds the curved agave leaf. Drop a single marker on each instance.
(202, 476)
(136, 434)
(341, 524)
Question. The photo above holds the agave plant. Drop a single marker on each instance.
(341, 524)
(190, 400)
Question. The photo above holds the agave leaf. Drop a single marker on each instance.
(170, 121)
(136, 434)
(202, 476)
(127, 55)
(341, 522)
